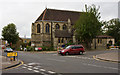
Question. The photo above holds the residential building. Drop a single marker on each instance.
(101, 41)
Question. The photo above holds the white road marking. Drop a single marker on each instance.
(57, 60)
(42, 73)
(24, 64)
(24, 67)
(51, 72)
(30, 66)
(29, 69)
(36, 68)
(101, 66)
(33, 63)
(42, 70)
(36, 71)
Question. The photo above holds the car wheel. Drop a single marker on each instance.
(81, 53)
(67, 53)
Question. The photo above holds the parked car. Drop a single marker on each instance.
(38, 49)
(72, 49)
(8, 50)
(2, 46)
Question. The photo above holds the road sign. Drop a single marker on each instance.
(12, 54)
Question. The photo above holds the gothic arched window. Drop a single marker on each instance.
(38, 28)
(47, 28)
(57, 26)
(64, 27)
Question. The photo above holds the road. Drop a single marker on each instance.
(52, 63)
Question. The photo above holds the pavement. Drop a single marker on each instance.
(112, 57)
(6, 63)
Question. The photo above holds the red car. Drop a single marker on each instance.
(72, 49)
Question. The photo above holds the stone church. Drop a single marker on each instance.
(54, 27)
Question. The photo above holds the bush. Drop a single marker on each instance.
(18, 49)
(118, 43)
(108, 46)
(29, 48)
(44, 48)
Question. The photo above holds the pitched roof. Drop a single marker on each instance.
(59, 15)
(62, 33)
(104, 36)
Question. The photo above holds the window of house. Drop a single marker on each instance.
(64, 27)
(47, 28)
(58, 40)
(62, 40)
(99, 41)
(38, 28)
(57, 26)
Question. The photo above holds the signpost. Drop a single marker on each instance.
(13, 54)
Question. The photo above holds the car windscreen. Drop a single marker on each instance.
(8, 49)
(68, 47)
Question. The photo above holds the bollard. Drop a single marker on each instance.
(14, 58)
(11, 59)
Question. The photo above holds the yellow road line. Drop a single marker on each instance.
(94, 57)
(16, 66)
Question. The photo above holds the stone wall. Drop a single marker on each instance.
(43, 38)
(102, 44)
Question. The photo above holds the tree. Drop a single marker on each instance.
(10, 34)
(113, 28)
(88, 25)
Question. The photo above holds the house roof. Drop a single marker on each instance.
(104, 36)
(59, 15)
(62, 33)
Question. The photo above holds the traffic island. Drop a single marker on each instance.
(7, 64)
(112, 57)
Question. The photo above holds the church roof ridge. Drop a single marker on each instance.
(59, 15)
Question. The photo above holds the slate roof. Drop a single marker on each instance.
(59, 15)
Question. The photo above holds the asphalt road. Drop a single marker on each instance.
(52, 63)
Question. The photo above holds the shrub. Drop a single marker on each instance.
(44, 48)
(29, 48)
(118, 43)
(50, 48)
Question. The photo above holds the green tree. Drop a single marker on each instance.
(113, 28)
(88, 25)
(10, 34)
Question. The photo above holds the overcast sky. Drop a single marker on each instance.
(24, 12)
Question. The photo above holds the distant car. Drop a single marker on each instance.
(8, 50)
(38, 49)
(72, 49)
(113, 47)
(2, 46)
